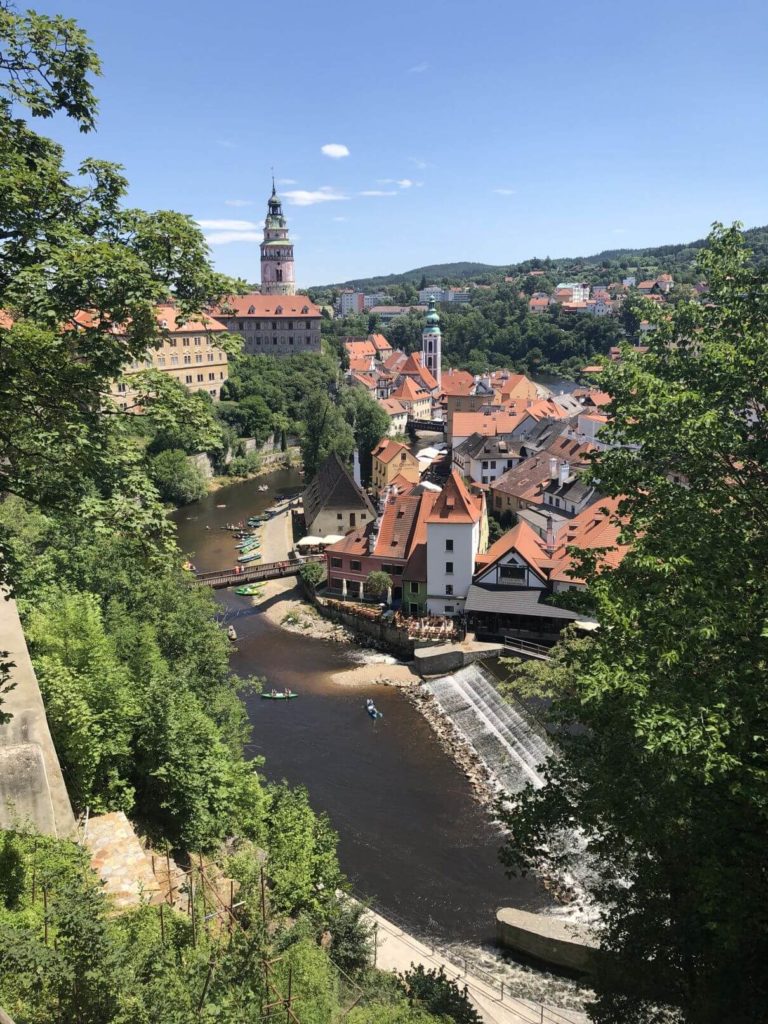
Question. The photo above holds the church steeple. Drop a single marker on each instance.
(431, 342)
(277, 277)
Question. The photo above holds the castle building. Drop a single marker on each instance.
(431, 343)
(277, 274)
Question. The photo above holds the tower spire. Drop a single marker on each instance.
(431, 342)
(277, 276)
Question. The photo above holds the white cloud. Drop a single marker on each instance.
(418, 162)
(341, 219)
(305, 197)
(405, 183)
(238, 202)
(335, 150)
(402, 182)
(225, 237)
(418, 69)
(229, 225)
(287, 181)
(377, 192)
(505, 191)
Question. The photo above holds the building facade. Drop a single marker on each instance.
(456, 532)
(277, 270)
(273, 325)
(189, 353)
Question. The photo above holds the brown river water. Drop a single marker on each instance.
(412, 839)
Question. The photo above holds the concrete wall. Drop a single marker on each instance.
(548, 939)
(440, 661)
(32, 790)
(395, 640)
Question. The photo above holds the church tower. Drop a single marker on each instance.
(431, 342)
(276, 251)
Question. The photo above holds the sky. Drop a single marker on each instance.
(405, 134)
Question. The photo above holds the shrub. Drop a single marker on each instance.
(177, 479)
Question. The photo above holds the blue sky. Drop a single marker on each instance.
(494, 131)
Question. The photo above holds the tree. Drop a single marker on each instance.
(325, 431)
(177, 479)
(437, 994)
(377, 583)
(665, 776)
(77, 268)
(312, 573)
(369, 424)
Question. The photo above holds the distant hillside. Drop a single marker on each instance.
(678, 258)
(454, 271)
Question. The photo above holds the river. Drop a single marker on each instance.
(411, 837)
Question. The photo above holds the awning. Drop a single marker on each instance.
(308, 541)
(332, 538)
(507, 601)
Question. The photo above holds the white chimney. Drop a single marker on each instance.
(356, 468)
(553, 468)
(550, 541)
(565, 472)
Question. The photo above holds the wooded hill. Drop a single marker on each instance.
(679, 258)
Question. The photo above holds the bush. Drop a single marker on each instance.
(377, 583)
(177, 479)
(312, 573)
(436, 993)
(245, 465)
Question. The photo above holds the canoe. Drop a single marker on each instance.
(250, 556)
(279, 696)
(231, 633)
(249, 589)
(246, 545)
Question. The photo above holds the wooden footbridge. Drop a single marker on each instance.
(222, 578)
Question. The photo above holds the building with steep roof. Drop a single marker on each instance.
(390, 459)
(398, 415)
(457, 529)
(482, 459)
(333, 502)
(414, 398)
(525, 486)
(277, 269)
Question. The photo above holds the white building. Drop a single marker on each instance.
(579, 292)
(457, 295)
(456, 532)
(350, 302)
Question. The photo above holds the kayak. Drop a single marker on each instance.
(249, 589)
(372, 710)
(279, 696)
(231, 633)
(254, 542)
(250, 556)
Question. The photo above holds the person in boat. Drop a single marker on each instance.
(286, 692)
(274, 692)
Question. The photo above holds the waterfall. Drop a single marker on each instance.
(500, 735)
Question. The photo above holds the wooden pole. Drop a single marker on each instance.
(209, 975)
(288, 1000)
(170, 879)
(45, 913)
(162, 924)
(34, 872)
(192, 906)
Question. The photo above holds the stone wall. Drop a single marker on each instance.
(380, 633)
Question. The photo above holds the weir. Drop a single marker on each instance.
(499, 733)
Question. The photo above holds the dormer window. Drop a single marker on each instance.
(278, 310)
(164, 324)
(251, 310)
(305, 309)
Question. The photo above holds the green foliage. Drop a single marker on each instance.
(325, 431)
(437, 994)
(377, 583)
(245, 465)
(665, 776)
(312, 573)
(303, 870)
(369, 424)
(177, 479)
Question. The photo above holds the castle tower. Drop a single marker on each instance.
(431, 342)
(276, 251)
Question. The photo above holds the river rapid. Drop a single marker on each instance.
(412, 839)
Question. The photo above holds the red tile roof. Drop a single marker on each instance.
(410, 391)
(392, 407)
(361, 364)
(489, 425)
(358, 347)
(598, 526)
(170, 315)
(387, 449)
(520, 538)
(455, 504)
(380, 343)
(412, 368)
(293, 307)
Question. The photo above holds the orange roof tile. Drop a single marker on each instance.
(412, 368)
(392, 407)
(598, 526)
(387, 449)
(489, 425)
(380, 343)
(294, 307)
(361, 364)
(454, 504)
(170, 315)
(410, 391)
(520, 538)
(359, 347)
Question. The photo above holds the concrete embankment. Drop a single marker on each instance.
(32, 790)
(396, 950)
(548, 939)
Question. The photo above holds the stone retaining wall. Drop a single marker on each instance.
(548, 939)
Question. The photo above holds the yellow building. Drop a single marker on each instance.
(391, 459)
(189, 353)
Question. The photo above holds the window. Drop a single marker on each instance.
(187, 360)
(493, 464)
(172, 342)
(212, 392)
(498, 501)
(197, 342)
(185, 343)
(188, 378)
(121, 388)
(290, 341)
(335, 563)
(449, 568)
(449, 590)
(211, 376)
(363, 515)
(274, 325)
(449, 609)
(174, 360)
(449, 545)
(211, 357)
(414, 588)
(198, 358)
(199, 376)
(511, 572)
(161, 360)
(355, 566)
(339, 515)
